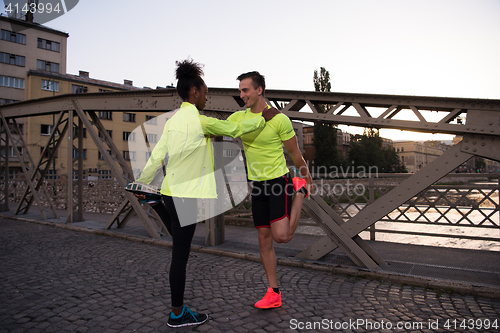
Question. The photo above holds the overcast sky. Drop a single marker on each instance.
(448, 48)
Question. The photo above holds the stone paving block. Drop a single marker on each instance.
(122, 286)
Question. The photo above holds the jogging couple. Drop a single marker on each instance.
(186, 140)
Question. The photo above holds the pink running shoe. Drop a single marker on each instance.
(270, 300)
(299, 185)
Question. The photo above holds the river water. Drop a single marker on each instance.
(308, 226)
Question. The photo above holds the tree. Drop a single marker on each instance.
(480, 164)
(392, 161)
(367, 151)
(322, 81)
(325, 143)
(325, 135)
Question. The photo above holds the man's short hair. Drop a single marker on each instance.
(258, 80)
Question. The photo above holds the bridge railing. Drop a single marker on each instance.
(451, 208)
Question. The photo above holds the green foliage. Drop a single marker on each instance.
(367, 151)
(325, 135)
(322, 81)
(480, 164)
(325, 143)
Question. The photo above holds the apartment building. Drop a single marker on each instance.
(33, 66)
(26, 46)
(416, 155)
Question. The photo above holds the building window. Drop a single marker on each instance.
(104, 90)
(75, 175)
(108, 115)
(105, 174)
(7, 101)
(13, 37)
(227, 153)
(129, 155)
(227, 138)
(50, 85)
(48, 45)
(46, 129)
(47, 66)
(75, 89)
(51, 174)
(148, 155)
(11, 151)
(84, 153)
(13, 174)
(12, 82)
(76, 131)
(12, 59)
(128, 136)
(102, 157)
(129, 117)
(151, 138)
(151, 120)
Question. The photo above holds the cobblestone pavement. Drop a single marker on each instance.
(59, 280)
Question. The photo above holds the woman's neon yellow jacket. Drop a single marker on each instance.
(185, 143)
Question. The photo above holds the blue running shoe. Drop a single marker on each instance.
(186, 318)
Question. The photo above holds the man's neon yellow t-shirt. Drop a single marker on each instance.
(264, 147)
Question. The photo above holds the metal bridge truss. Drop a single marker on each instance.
(477, 120)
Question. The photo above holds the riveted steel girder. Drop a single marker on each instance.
(477, 120)
(298, 105)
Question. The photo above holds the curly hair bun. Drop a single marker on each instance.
(188, 69)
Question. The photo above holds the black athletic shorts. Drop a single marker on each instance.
(271, 200)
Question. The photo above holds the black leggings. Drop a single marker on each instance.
(181, 238)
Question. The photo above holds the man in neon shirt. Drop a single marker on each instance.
(275, 216)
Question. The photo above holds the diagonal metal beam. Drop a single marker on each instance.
(127, 210)
(46, 158)
(419, 115)
(123, 174)
(450, 116)
(30, 182)
(124, 209)
(383, 206)
(31, 172)
(362, 111)
(387, 112)
(331, 222)
(37, 173)
(410, 187)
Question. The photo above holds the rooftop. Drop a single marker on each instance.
(84, 77)
(32, 25)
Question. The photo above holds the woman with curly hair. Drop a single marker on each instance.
(186, 147)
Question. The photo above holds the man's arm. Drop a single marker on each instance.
(292, 146)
